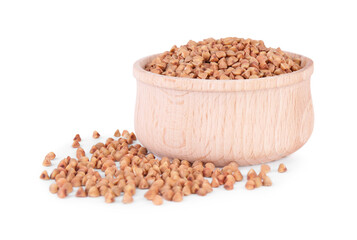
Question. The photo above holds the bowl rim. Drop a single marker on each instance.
(232, 85)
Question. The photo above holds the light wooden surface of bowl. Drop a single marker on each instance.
(247, 121)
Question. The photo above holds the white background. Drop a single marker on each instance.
(66, 68)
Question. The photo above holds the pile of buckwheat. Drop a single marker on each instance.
(128, 166)
(223, 59)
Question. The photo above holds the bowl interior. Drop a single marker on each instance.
(195, 84)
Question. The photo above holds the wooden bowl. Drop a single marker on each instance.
(247, 121)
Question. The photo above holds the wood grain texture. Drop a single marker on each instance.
(248, 121)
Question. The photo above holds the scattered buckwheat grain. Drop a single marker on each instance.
(44, 175)
(157, 200)
(117, 133)
(266, 181)
(282, 168)
(250, 185)
(53, 188)
(96, 135)
(81, 193)
(77, 138)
